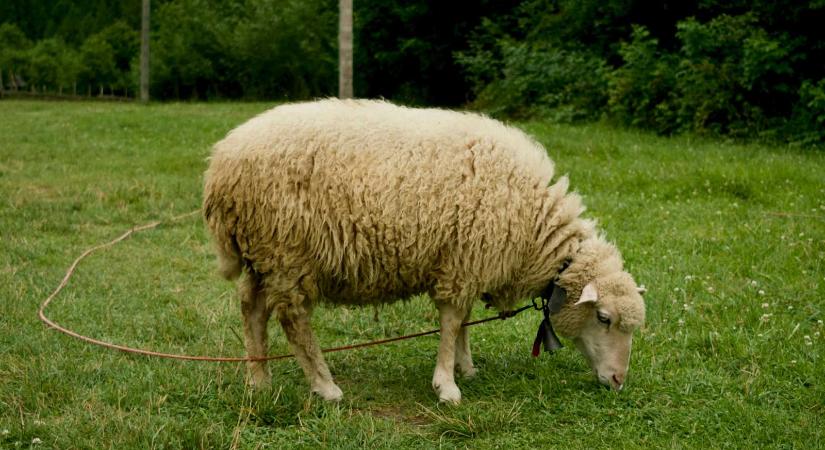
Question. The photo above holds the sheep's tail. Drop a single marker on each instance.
(226, 246)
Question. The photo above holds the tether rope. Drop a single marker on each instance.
(65, 281)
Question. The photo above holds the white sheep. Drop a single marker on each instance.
(364, 202)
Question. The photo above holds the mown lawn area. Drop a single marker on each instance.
(729, 240)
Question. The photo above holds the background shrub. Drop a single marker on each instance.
(730, 76)
(642, 89)
(808, 125)
(542, 80)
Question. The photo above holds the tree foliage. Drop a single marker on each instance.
(14, 46)
(405, 50)
(734, 68)
(739, 68)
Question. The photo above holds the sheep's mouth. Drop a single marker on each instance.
(608, 383)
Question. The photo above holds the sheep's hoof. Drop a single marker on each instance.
(329, 392)
(259, 380)
(448, 393)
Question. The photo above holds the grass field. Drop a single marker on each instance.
(729, 239)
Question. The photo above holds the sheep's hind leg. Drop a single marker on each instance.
(255, 317)
(443, 378)
(294, 318)
(463, 357)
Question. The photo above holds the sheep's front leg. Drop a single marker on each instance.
(463, 357)
(294, 319)
(443, 380)
(255, 317)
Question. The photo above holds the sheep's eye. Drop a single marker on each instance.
(603, 318)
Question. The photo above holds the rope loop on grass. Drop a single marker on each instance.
(41, 313)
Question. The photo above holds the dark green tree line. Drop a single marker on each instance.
(741, 68)
(256, 49)
(738, 68)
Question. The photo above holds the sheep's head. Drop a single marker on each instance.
(601, 317)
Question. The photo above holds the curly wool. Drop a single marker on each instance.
(364, 202)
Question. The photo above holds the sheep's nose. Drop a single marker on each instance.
(618, 380)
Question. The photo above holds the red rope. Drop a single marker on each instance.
(41, 313)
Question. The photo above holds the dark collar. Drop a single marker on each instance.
(553, 293)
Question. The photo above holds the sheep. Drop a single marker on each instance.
(363, 202)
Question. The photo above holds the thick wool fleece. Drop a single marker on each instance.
(365, 202)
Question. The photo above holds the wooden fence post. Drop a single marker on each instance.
(144, 53)
(345, 49)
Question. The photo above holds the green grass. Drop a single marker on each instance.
(729, 240)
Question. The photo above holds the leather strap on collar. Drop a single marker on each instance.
(553, 298)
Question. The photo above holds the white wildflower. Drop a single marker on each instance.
(808, 340)
(681, 322)
(765, 317)
(766, 305)
(36, 441)
(754, 283)
(793, 361)
(5, 432)
(761, 292)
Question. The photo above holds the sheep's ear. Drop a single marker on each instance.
(642, 290)
(589, 294)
